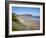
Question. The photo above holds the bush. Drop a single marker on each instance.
(14, 17)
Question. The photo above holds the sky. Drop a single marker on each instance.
(26, 10)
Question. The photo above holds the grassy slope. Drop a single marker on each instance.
(16, 25)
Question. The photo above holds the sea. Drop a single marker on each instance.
(35, 17)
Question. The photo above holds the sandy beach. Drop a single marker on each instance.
(30, 24)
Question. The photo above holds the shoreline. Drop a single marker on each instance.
(35, 24)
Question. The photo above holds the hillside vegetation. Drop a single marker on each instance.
(14, 18)
(16, 24)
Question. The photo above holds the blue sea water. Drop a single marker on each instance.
(35, 17)
(31, 18)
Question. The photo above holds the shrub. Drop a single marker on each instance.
(14, 17)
